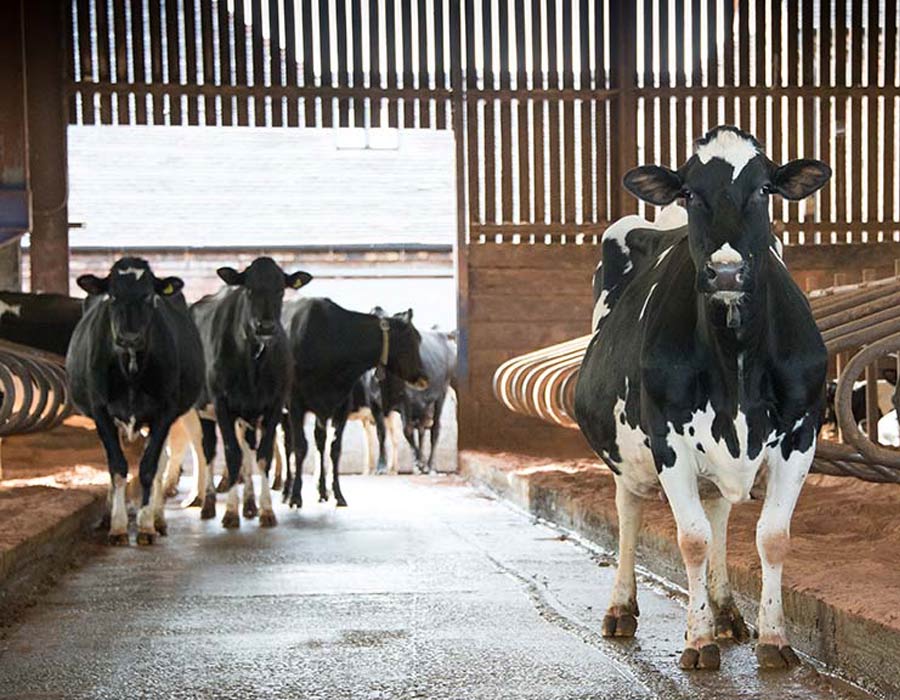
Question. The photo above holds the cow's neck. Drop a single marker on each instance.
(248, 344)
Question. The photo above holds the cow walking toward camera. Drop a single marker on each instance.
(134, 361)
(248, 376)
(706, 363)
(331, 349)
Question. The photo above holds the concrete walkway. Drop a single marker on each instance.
(422, 588)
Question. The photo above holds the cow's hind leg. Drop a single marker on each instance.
(729, 623)
(694, 536)
(321, 436)
(621, 616)
(176, 448)
(248, 466)
(336, 442)
(785, 480)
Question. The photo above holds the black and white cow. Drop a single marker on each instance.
(135, 360)
(42, 321)
(332, 348)
(706, 364)
(248, 377)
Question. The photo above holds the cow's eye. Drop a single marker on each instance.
(765, 190)
(687, 194)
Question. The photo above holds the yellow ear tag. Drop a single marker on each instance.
(168, 289)
(298, 283)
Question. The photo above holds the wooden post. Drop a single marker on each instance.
(623, 37)
(45, 51)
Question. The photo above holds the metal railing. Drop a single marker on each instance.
(860, 324)
(35, 392)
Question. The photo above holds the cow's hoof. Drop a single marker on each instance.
(705, 658)
(296, 500)
(162, 529)
(287, 489)
(340, 501)
(730, 624)
(770, 656)
(267, 519)
(620, 620)
(231, 520)
(118, 539)
(250, 510)
(223, 485)
(145, 539)
(277, 483)
(208, 511)
(192, 501)
(171, 491)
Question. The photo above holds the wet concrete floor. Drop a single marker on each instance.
(422, 588)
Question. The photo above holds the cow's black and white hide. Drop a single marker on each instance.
(248, 378)
(707, 365)
(885, 402)
(134, 360)
(332, 348)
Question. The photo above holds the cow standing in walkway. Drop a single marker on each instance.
(706, 363)
(135, 360)
(248, 376)
(332, 348)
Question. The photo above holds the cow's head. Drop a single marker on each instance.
(725, 187)
(403, 358)
(133, 292)
(263, 284)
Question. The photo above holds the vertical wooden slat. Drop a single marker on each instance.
(225, 38)
(472, 133)
(291, 77)
(424, 102)
(777, 82)
(506, 175)
(240, 61)
(275, 76)
(461, 249)
(728, 56)
(665, 80)
(841, 111)
(873, 137)
(806, 136)
(602, 181)
(173, 59)
(85, 60)
(208, 53)
(568, 114)
(391, 41)
(623, 32)
(555, 154)
(650, 79)
(409, 105)
(682, 134)
(256, 37)
(309, 77)
(359, 104)
(156, 74)
(537, 107)
(190, 59)
(343, 75)
(440, 74)
(744, 61)
(696, 69)
(587, 189)
(856, 66)
(762, 58)
(71, 102)
(103, 70)
(490, 145)
(713, 58)
(826, 79)
(524, 133)
(374, 62)
(137, 59)
(890, 81)
(325, 54)
(121, 48)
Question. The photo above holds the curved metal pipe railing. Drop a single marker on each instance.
(862, 320)
(34, 391)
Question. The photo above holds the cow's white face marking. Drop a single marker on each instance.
(601, 309)
(647, 300)
(12, 309)
(726, 254)
(138, 272)
(733, 148)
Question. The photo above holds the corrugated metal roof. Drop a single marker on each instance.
(177, 186)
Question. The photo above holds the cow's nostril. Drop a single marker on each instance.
(711, 273)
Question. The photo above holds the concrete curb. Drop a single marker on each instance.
(861, 650)
(25, 567)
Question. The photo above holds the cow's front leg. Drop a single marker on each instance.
(118, 476)
(264, 460)
(679, 482)
(621, 616)
(321, 435)
(151, 481)
(248, 466)
(786, 477)
(729, 622)
(233, 458)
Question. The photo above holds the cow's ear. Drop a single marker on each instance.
(93, 284)
(800, 178)
(406, 316)
(230, 276)
(168, 286)
(297, 279)
(654, 184)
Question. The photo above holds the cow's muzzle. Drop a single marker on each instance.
(724, 277)
(265, 329)
(130, 341)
